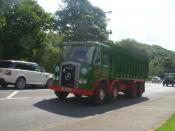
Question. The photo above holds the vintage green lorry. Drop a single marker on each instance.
(99, 71)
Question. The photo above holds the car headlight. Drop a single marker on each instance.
(84, 71)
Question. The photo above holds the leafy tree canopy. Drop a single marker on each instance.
(23, 32)
(79, 20)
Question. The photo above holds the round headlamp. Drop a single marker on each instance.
(84, 81)
(57, 68)
(84, 71)
(80, 81)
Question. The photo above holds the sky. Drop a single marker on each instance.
(148, 21)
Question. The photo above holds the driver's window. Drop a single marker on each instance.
(97, 55)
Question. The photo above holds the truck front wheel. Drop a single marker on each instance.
(61, 95)
(99, 95)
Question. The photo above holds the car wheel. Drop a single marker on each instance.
(49, 82)
(20, 83)
(61, 95)
(4, 85)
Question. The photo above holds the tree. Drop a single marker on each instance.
(79, 20)
(23, 34)
(52, 51)
(134, 46)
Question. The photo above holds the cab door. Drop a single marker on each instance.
(106, 59)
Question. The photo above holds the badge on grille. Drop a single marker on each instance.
(68, 76)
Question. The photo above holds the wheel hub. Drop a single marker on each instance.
(102, 95)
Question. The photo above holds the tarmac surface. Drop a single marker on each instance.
(40, 110)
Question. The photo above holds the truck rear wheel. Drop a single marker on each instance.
(99, 95)
(139, 92)
(61, 95)
(77, 95)
(131, 93)
(114, 93)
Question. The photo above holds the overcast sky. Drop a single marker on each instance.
(147, 21)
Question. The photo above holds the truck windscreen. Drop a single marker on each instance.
(78, 53)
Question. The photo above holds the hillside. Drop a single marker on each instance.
(161, 60)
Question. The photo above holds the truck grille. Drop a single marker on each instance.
(68, 75)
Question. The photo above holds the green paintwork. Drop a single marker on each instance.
(127, 65)
(115, 63)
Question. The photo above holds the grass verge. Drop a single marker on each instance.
(169, 125)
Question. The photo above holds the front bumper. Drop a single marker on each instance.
(74, 90)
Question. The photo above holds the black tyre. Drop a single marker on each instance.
(99, 94)
(20, 83)
(61, 95)
(114, 93)
(49, 82)
(131, 93)
(163, 84)
(139, 92)
(77, 95)
(4, 85)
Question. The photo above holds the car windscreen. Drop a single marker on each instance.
(6, 64)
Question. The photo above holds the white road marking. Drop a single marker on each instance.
(18, 98)
(11, 95)
(2, 99)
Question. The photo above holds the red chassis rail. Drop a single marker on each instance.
(71, 90)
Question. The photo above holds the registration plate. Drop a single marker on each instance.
(66, 89)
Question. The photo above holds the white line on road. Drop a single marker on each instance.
(19, 98)
(11, 95)
(2, 99)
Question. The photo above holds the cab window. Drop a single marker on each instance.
(105, 55)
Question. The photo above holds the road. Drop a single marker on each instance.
(39, 109)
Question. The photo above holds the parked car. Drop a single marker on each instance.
(156, 79)
(22, 73)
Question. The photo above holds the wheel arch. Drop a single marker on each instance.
(112, 83)
(21, 77)
(95, 85)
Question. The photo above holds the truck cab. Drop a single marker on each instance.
(81, 67)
